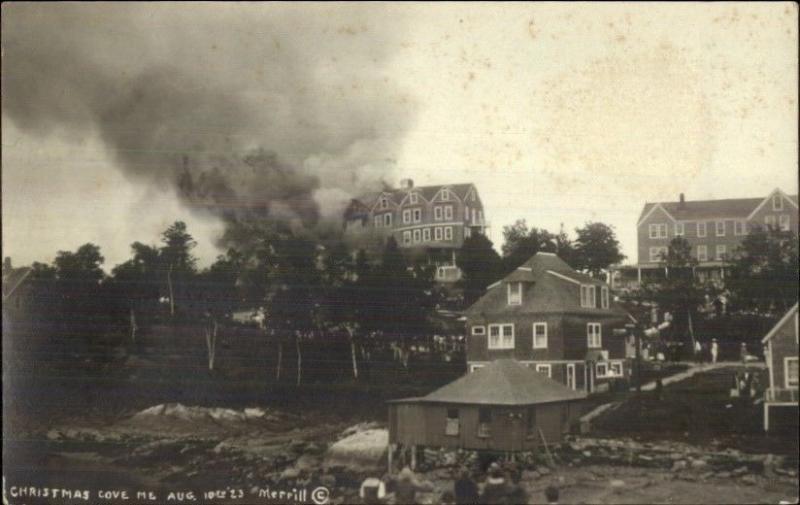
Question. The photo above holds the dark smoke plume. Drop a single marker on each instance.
(249, 111)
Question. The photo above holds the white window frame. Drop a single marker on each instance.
(473, 368)
(448, 212)
(466, 213)
(702, 252)
(616, 364)
(658, 230)
(379, 221)
(719, 228)
(384, 203)
(407, 237)
(514, 296)
(445, 195)
(680, 230)
(594, 339)
(777, 202)
(479, 331)
(542, 326)
(771, 221)
(702, 229)
(739, 227)
(452, 426)
(501, 342)
(437, 233)
(604, 367)
(588, 296)
(720, 252)
(604, 301)
(467, 232)
(417, 236)
(437, 213)
(426, 234)
(540, 367)
(387, 220)
(413, 198)
(407, 216)
(786, 383)
(448, 233)
(784, 222)
(416, 215)
(656, 253)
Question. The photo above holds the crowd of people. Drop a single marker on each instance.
(502, 486)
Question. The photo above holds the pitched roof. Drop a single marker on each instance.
(427, 192)
(549, 286)
(706, 209)
(780, 324)
(503, 382)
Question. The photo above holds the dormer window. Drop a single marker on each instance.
(413, 198)
(588, 299)
(384, 203)
(515, 293)
(777, 202)
(445, 195)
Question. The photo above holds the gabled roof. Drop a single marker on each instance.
(503, 382)
(428, 192)
(549, 286)
(786, 318)
(707, 209)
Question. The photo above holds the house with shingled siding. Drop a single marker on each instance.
(553, 319)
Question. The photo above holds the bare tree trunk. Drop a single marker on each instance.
(280, 360)
(171, 294)
(211, 343)
(299, 358)
(353, 353)
(133, 326)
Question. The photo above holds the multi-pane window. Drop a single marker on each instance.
(501, 336)
(783, 219)
(593, 335)
(616, 369)
(437, 213)
(777, 202)
(453, 423)
(448, 212)
(437, 233)
(426, 234)
(720, 228)
(701, 229)
(467, 232)
(604, 297)
(588, 296)
(722, 250)
(770, 221)
(448, 233)
(658, 230)
(445, 195)
(484, 422)
(515, 293)
(378, 221)
(387, 219)
(739, 228)
(479, 330)
(384, 203)
(406, 237)
(679, 230)
(417, 236)
(601, 369)
(544, 369)
(657, 254)
(417, 213)
(540, 335)
(702, 253)
(406, 216)
(413, 198)
(790, 369)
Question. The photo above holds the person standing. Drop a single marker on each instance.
(714, 350)
(495, 491)
(698, 352)
(407, 487)
(465, 489)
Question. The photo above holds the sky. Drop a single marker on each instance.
(560, 114)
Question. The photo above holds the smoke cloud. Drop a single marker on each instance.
(249, 111)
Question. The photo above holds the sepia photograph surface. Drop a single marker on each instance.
(399, 253)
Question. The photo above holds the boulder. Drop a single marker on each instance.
(361, 451)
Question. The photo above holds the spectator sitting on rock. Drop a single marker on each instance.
(495, 491)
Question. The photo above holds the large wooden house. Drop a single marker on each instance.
(505, 407)
(553, 319)
(781, 399)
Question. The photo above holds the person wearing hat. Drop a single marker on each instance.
(495, 491)
(465, 489)
(714, 350)
(407, 486)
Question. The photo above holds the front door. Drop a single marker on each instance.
(571, 375)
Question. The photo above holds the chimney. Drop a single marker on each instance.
(682, 201)
(407, 183)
